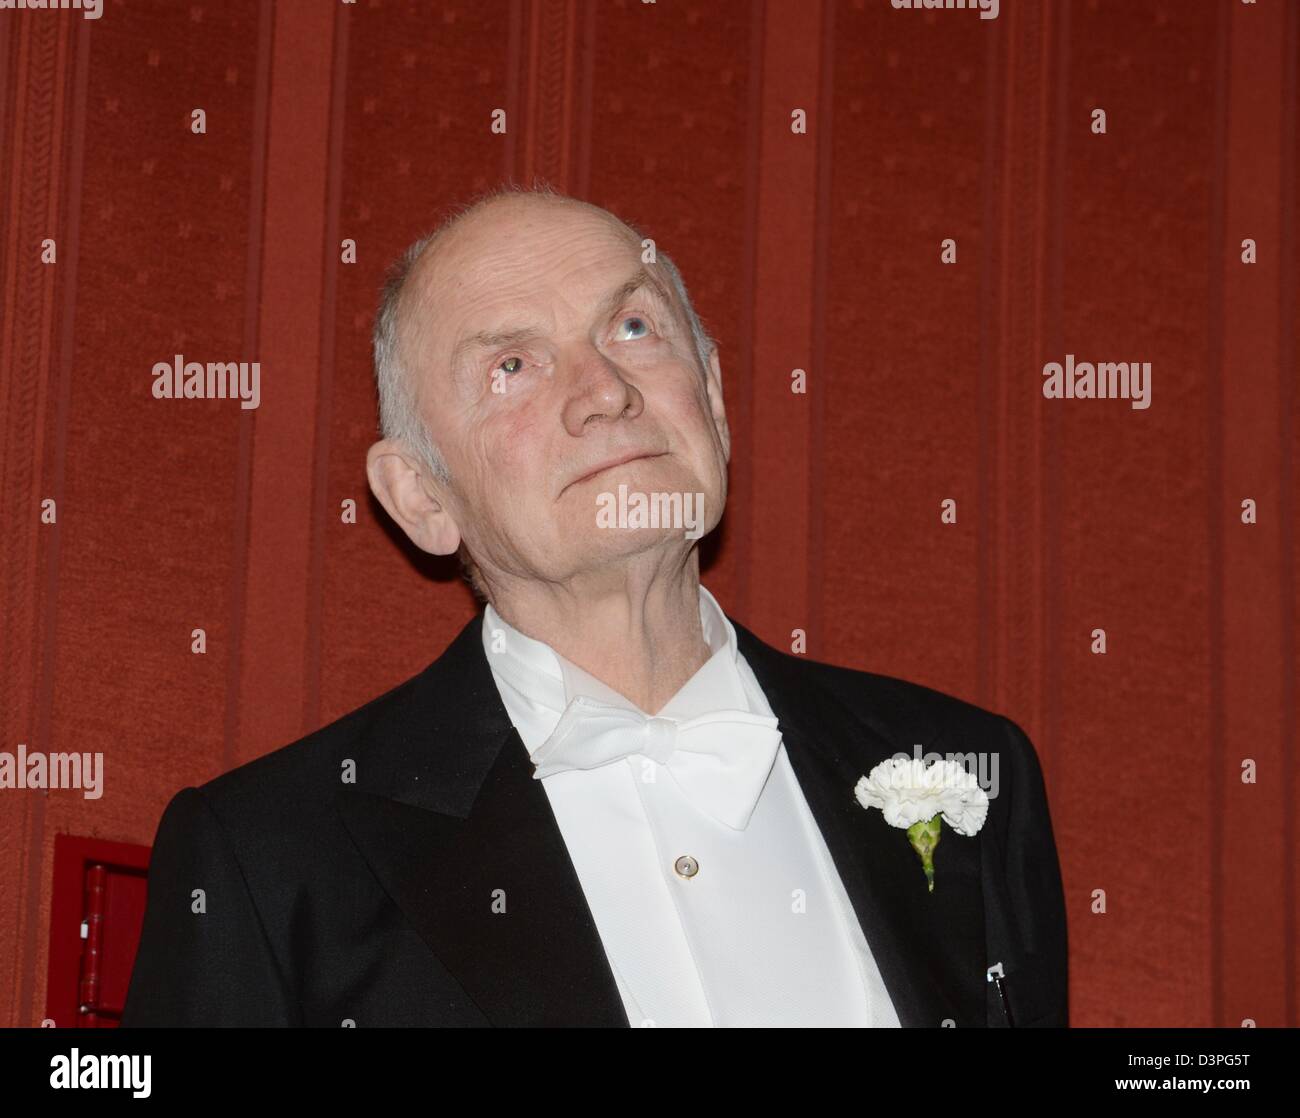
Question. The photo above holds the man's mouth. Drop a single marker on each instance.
(621, 461)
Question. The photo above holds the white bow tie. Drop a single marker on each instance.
(719, 760)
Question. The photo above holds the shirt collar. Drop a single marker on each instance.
(546, 679)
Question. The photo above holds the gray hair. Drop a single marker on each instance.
(399, 406)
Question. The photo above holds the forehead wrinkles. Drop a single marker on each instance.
(527, 289)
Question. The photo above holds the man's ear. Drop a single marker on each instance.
(713, 384)
(403, 484)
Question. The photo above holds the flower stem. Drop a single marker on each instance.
(924, 837)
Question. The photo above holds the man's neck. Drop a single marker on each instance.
(643, 639)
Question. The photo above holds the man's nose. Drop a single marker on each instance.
(598, 389)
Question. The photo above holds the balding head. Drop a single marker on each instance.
(397, 332)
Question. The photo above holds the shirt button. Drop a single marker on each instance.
(686, 866)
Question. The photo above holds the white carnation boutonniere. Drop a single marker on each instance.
(919, 799)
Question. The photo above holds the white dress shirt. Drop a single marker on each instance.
(763, 932)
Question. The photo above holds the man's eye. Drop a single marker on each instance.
(645, 323)
(519, 365)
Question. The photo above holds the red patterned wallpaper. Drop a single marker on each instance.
(819, 250)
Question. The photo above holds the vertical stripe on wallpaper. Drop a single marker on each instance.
(738, 378)
(49, 63)
(322, 505)
(56, 460)
(822, 223)
(997, 139)
(252, 305)
(1013, 448)
(1021, 307)
(549, 108)
(1056, 95)
(515, 51)
(1215, 514)
(777, 550)
(272, 692)
(580, 181)
(1251, 623)
(239, 511)
(1288, 373)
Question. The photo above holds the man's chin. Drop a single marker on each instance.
(614, 544)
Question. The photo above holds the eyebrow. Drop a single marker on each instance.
(641, 279)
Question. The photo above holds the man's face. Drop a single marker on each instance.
(592, 363)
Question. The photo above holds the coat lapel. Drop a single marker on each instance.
(446, 813)
(929, 946)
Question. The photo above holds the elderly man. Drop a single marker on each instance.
(607, 802)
